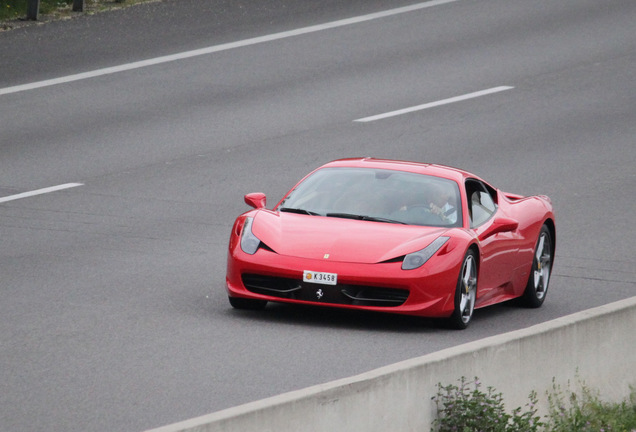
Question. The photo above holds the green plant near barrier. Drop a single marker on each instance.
(12, 9)
(583, 411)
(466, 408)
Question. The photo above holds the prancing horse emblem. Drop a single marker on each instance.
(319, 294)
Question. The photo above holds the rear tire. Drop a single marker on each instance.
(537, 287)
(465, 293)
(247, 304)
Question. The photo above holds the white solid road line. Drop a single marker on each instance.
(434, 104)
(40, 191)
(222, 47)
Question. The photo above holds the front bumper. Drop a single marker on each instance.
(383, 287)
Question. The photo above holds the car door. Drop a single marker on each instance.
(497, 246)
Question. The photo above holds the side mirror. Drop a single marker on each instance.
(257, 200)
(500, 225)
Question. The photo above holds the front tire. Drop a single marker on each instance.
(537, 287)
(465, 293)
(247, 304)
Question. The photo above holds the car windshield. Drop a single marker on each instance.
(377, 195)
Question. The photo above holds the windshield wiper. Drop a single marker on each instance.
(298, 210)
(364, 218)
(381, 219)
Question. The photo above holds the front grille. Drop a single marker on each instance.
(346, 294)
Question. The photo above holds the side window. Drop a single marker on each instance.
(481, 202)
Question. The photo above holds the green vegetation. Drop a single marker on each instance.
(583, 411)
(14, 12)
(14, 9)
(466, 408)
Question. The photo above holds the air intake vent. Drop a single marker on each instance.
(296, 289)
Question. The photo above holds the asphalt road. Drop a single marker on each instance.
(113, 315)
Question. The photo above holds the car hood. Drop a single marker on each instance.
(343, 240)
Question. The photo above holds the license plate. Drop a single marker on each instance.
(320, 277)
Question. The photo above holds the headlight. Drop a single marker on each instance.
(249, 242)
(417, 259)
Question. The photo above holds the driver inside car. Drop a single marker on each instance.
(441, 206)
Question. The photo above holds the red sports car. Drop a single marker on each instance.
(392, 236)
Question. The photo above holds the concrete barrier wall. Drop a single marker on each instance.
(597, 346)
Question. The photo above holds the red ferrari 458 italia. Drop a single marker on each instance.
(392, 236)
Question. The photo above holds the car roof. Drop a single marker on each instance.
(436, 170)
